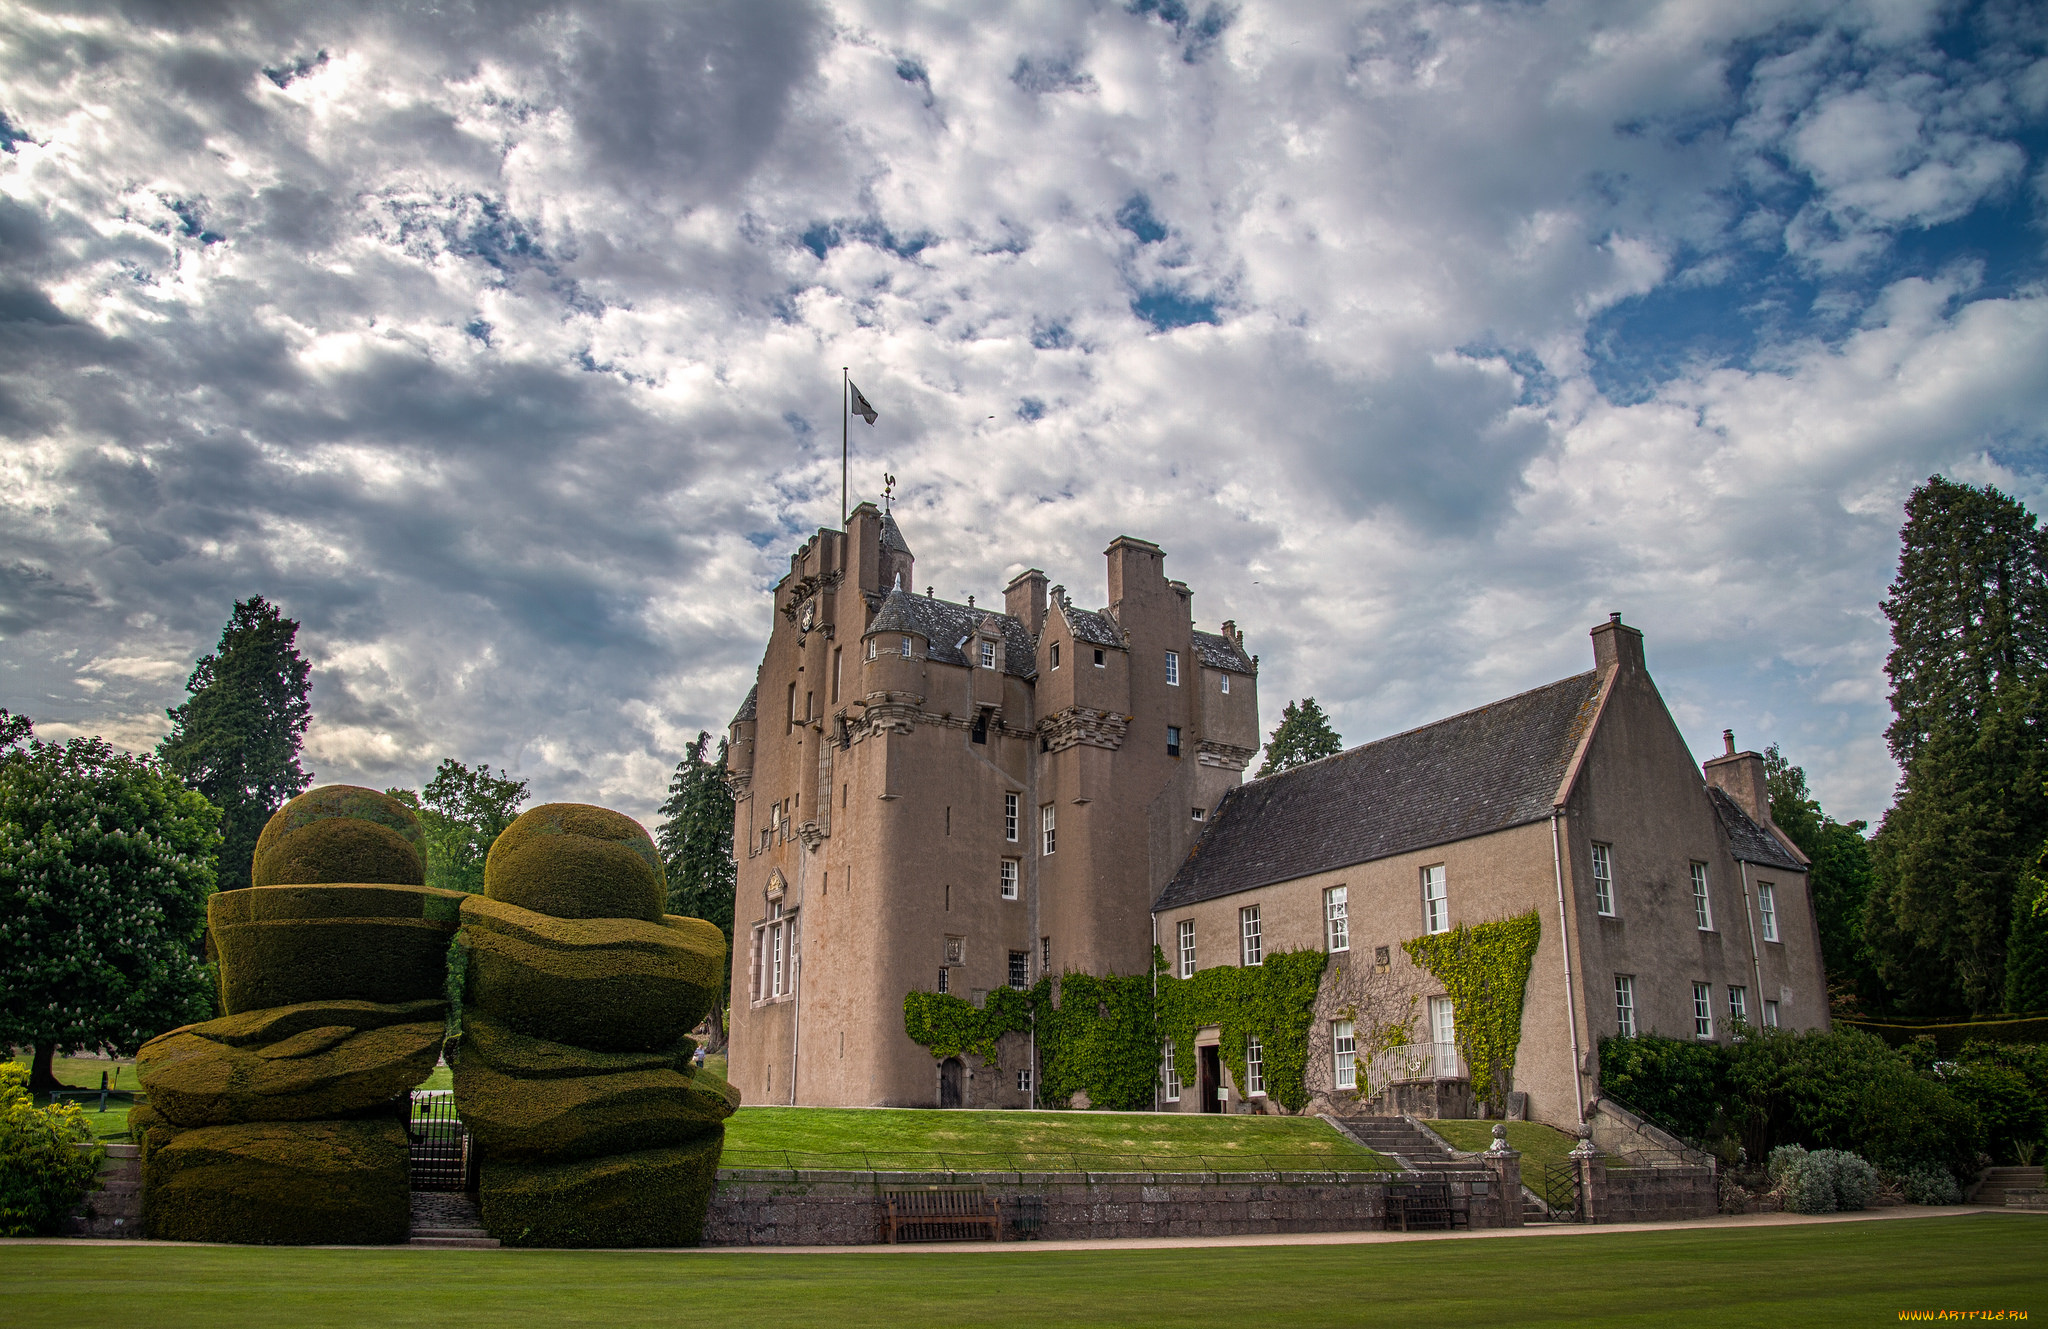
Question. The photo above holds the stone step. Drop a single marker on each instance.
(449, 1232)
(456, 1243)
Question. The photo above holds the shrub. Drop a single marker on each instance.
(1678, 1083)
(1844, 1090)
(1928, 1184)
(281, 1183)
(1821, 1181)
(340, 833)
(2007, 1085)
(43, 1172)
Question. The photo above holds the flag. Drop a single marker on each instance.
(859, 405)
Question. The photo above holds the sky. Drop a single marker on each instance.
(500, 344)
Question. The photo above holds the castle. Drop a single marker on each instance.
(937, 796)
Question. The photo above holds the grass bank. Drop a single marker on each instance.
(917, 1139)
(1822, 1275)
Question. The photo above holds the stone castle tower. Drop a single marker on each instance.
(937, 796)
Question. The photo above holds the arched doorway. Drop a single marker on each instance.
(951, 1073)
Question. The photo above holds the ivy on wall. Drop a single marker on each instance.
(1274, 1001)
(951, 1027)
(1102, 1039)
(1485, 971)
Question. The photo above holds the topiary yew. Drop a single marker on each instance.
(528, 1058)
(319, 1073)
(652, 1197)
(280, 1183)
(284, 945)
(581, 1116)
(572, 860)
(340, 832)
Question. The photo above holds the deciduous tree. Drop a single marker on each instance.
(237, 739)
(1303, 735)
(106, 861)
(462, 811)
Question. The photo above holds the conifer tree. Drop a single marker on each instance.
(1304, 734)
(1838, 880)
(695, 840)
(1969, 615)
(237, 739)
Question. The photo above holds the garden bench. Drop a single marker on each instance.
(1424, 1207)
(941, 1213)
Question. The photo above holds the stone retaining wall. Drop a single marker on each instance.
(115, 1209)
(1652, 1194)
(778, 1208)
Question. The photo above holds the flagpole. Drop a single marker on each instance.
(845, 409)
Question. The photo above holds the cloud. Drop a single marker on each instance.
(498, 343)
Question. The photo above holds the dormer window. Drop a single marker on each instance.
(988, 655)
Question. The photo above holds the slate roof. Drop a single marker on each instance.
(746, 710)
(1486, 770)
(942, 624)
(1748, 841)
(1220, 652)
(1093, 626)
(892, 536)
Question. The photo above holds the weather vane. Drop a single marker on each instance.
(888, 488)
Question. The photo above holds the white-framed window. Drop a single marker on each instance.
(1226, 685)
(906, 648)
(943, 981)
(1009, 879)
(1254, 950)
(776, 968)
(1199, 814)
(1055, 655)
(1770, 1015)
(1020, 970)
(1173, 669)
(1767, 906)
(871, 648)
(1187, 947)
(1024, 1082)
(1603, 879)
(1336, 918)
(1443, 1023)
(1436, 904)
(1254, 1068)
(988, 655)
(1625, 1005)
(1702, 908)
(1170, 1074)
(1738, 1004)
(1344, 1053)
(1702, 1011)
(1045, 955)
(1173, 740)
(1010, 818)
(1045, 829)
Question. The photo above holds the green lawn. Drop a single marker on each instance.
(913, 1139)
(1823, 1275)
(1540, 1146)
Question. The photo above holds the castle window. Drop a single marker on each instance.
(792, 709)
(1024, 1082)
(1173, 669)
(871, 648)
(1199, 814)
(1020, 970)
(1098, 658)
(1173, 740)
(944, 986)
(1045, 955)
(979, 733)
(1010, 818)
(1009, 879)
(1254, 948)
(906, 648)
(1344, 1053)
(988, 655)
(836, 652)
(1186, 933)
(1045, 828)
(1226, 685)
(1702, 1011)
(1738, 1005)
(1770, 1015)
(1171, 1075)
(1254, 1068)
(1767, 906)
(1702, 908)
(1336, 917)
(1436, 905)
(1625, 1005)
(1055, 655)
(1603, 880)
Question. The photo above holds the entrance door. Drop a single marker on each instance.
(949, 1082)
(1212, 1078)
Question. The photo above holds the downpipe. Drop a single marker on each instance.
(1564, 935)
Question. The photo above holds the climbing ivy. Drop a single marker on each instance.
(1485, 971)
(1103, 1034)
(1274, 1001)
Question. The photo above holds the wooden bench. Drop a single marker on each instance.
(940, 1213)
(1424, 1207)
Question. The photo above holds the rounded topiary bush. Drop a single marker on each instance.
(1822, 1181)
(340, 833)
(572, 860)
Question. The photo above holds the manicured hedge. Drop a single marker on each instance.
(340, 832)
(277, 1023)
(317, 1074)
(617, 985)
(528, 1058)
(1950, 1035)
(281, 1183)
(572, 860)
(265, 904)
(285, 962)
(653, 1197)
(580, 1116)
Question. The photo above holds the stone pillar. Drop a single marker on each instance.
(1506, 1166)
(1592, 1174)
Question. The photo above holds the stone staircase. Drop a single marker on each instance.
(1399, 1138)
(448, 1220)
(1998, 1181)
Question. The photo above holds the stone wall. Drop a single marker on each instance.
(779, 1208)
(1652, 1194)
(115, 1208)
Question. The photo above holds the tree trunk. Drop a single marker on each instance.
(42, 1074)
(718, 1032)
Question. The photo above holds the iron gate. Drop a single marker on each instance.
(1561, 1191)
(442, 1158)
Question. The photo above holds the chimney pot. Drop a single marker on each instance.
(1614, 617)
(1728, 737)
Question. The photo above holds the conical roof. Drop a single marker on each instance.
(892, 538)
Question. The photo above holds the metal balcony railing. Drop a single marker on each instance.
(1418, 1061)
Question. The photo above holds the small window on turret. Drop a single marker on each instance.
(1098, 659)
(906, 648)
(1226, 685)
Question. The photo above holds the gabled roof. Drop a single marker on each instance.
(1748, 841)
(1219, 652)
(943, 624)
(746, 710)
(1093, 626)
(1483, 771)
